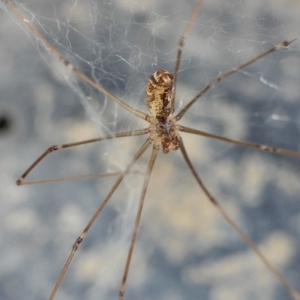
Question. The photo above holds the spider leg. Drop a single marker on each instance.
(261, 147)
(181, 44)
(238, 230)
(21, 181)
(137, 220)
(22, 18)
(72, 178)
(213, 82)
(95, 216)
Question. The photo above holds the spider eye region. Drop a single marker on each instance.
(160, 94)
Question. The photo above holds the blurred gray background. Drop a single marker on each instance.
(185, 250)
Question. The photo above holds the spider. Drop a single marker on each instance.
(163, 133)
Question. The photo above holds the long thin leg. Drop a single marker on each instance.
(17, 12)
(182, 40)
(72, 178)
(261, 147)
(95, 216)
(137, 221)
(239, 231)
(20, 181)
(213, 82)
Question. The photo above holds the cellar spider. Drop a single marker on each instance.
(163, 133)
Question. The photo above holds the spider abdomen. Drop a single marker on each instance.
(160, 94)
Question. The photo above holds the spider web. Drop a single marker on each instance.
(184, 249)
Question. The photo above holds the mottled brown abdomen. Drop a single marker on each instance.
(160, 94)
